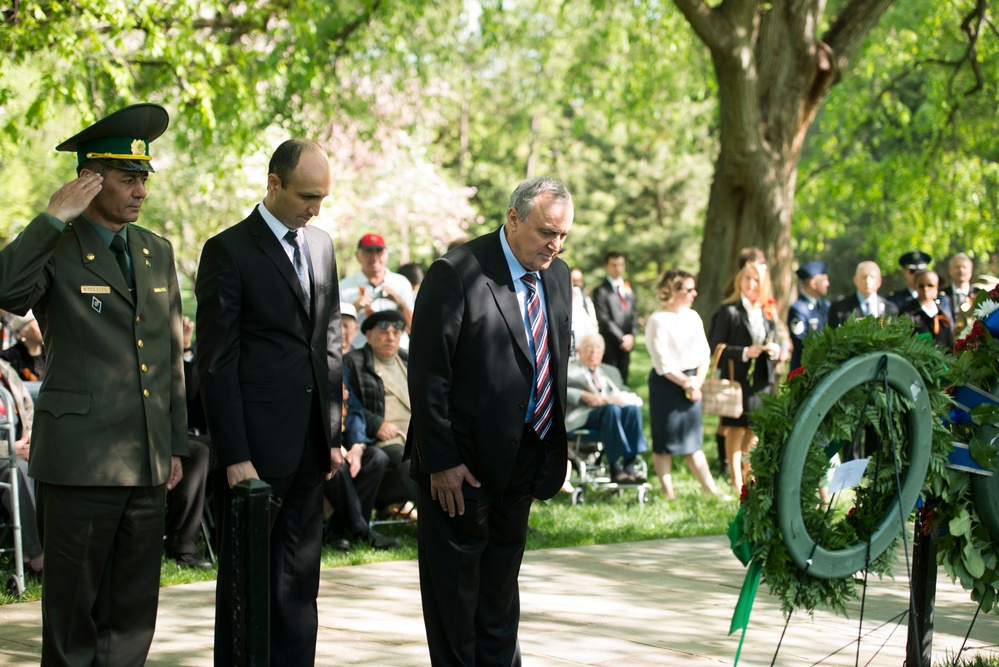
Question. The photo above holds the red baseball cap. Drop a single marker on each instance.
(370, 242)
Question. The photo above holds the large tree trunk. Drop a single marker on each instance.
(774, 72)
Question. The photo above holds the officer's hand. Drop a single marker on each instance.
(353, 458)
(73, 198)
(176, 472)
(445, 488)
(237, 472)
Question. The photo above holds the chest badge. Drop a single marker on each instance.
(95, 303)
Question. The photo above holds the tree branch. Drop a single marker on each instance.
(705, 22)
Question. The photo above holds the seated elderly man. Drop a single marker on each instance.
(379, 377)
(598, 400)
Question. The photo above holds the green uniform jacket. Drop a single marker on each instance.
(111, 410)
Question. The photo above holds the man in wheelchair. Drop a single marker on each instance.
(598, 400)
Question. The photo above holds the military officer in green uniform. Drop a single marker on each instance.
(110, 421)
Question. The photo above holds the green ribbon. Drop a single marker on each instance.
(744, 552)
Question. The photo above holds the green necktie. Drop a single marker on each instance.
(118, 248)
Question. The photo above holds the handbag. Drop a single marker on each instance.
(720, 396)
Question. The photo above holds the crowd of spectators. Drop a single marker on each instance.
(757, 346)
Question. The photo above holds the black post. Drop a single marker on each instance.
(251, 573)
(923, 591)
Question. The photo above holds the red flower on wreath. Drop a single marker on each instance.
(973, 341)
(995, 292)
(800, 370)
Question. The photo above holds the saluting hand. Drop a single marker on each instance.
(445, 488)
(73, 198)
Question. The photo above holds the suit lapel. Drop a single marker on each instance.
(99, 259)
(272, 248)
(501, 285)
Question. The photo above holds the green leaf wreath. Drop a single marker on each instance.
(824, 352)
(965, 547)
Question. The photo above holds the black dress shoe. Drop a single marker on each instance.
(622, 478)
(193, 561)
(338, 542)
(382, 542)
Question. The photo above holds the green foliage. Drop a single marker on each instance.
(823, 353)
(904, 153)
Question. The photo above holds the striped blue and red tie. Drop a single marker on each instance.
(544, 402)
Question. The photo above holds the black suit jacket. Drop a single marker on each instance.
(730, 325)
(613, 320)
(471, 371)
(262, 360)
(849, 309)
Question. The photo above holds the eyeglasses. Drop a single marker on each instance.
(385, 324)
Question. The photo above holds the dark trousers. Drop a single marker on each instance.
(186, 501)
(295, 550)
(397, 486)
(469, 566)
(617, 358)
(101, 579)
(353, 498)
(620, 429)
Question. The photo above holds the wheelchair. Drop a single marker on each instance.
(591, 472)
(12, 523)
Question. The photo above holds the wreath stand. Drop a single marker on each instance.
(892, 373)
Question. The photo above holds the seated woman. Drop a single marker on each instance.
(26, 355)
(925, 313)
(24, 413)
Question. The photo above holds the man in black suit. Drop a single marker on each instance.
(269, 361)
(865, 301)
(614, 303)
(487, 379)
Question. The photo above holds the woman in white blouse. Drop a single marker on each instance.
(680, 355)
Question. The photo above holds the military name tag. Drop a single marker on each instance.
(159, 290)
(95, 289)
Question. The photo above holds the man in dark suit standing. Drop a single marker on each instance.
(614, 303)
(865, 301)
(269, 361)
(487, 379)
(110, 423)
(811, 311)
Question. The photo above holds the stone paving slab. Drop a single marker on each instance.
(640, 604)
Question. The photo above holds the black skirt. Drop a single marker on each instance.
(677, 427)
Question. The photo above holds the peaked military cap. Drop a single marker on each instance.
(812, 269)
(122, 139)
(915, 259)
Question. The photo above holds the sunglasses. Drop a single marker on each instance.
(384, 325)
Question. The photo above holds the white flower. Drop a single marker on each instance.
(985, 309)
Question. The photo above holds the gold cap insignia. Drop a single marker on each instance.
(138, 147)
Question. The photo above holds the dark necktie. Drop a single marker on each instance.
(544, 402)
(118, 248)
(303, 274)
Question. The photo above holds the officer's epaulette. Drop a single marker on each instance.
(140, 228)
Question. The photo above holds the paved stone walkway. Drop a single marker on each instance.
(640, 604)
